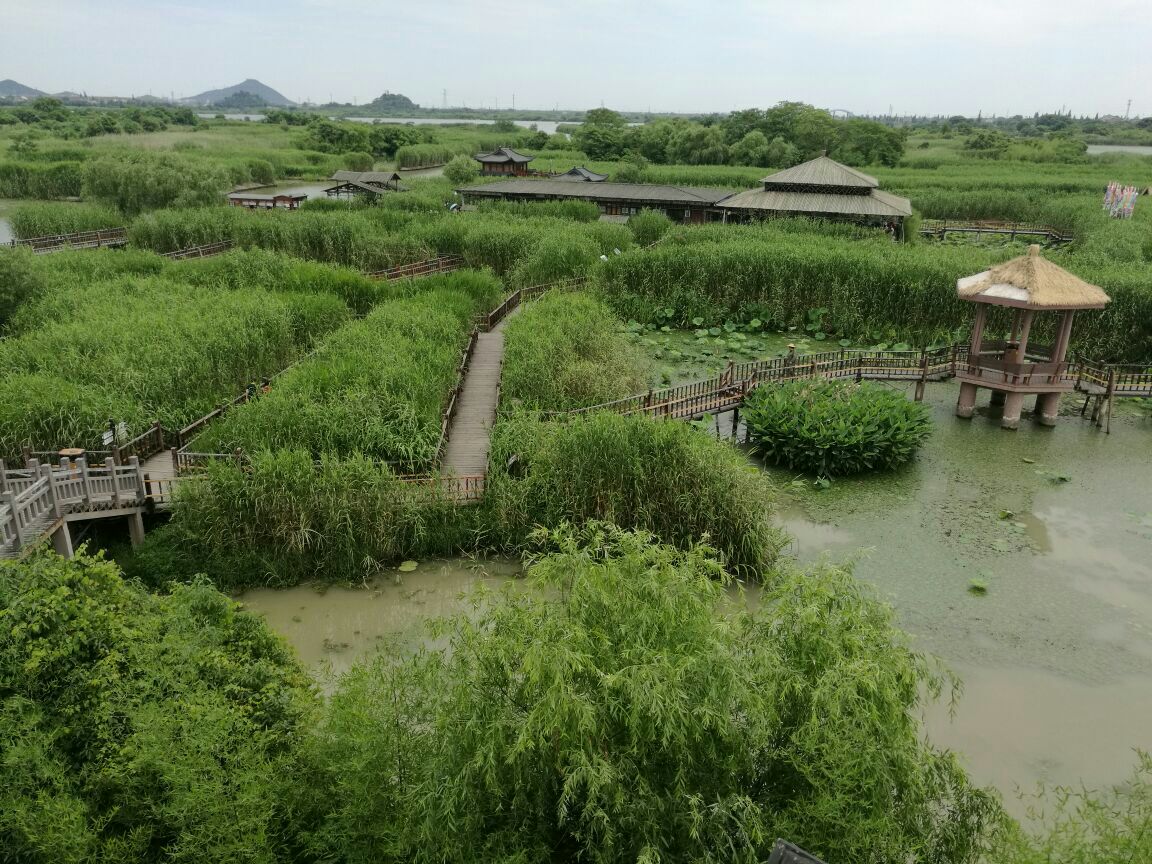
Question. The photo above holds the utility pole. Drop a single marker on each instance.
(513, 101)
(444, 102)
(1128, 109)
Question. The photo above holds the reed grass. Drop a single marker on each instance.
(376, 387)
(667, 478)
(565, 351)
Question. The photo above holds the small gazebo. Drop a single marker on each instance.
(1016, 368)
(503, 160)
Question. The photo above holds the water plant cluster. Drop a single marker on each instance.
(835, 428)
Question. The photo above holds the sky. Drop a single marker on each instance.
(998, 57)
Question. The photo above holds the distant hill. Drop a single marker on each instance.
(251, 85)
(393, 102)
(10, 89)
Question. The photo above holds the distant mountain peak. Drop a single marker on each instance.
(10, 89)
(248, 85)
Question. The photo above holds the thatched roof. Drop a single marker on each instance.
(1031, 282)
(823, 172)
(504, 154)
(875, 203)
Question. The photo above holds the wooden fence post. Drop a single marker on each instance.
(9, 499)
(85, 480)
(26, 452)
(47, 473)
(922, 382)
(141, 492)
(110, 466)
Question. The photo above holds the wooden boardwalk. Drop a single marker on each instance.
(470, 429)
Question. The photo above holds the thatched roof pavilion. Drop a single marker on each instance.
(1014, 369)
(820, 187)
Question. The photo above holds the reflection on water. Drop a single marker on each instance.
(6, 234)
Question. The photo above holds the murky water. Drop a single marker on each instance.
(1056, 657)
(1137, 149)
(333, 627)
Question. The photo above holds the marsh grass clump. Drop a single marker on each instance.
(835, 428)
(565, 351)
(667, 478)
(287, 518)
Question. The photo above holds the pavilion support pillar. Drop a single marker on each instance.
(966, 404)
(1047, 408)
(136, 529)
(1025, 330)
(62, 541)
(977, 332)
(1063, 337)
(1013, 404)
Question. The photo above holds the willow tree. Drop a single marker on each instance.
(628, 710)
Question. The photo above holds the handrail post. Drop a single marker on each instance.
(85, 480)
(134, 463)
(110, 466)
(47, 473)
(9, 498)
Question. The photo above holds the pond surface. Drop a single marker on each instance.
(1056, 657)
(1138, 149)
(6, 233)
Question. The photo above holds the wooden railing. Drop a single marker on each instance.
(941, 227)
(454, 396)
(205, 251)
(35, 498)
(77, 240)
(440, 264)
(514, 300)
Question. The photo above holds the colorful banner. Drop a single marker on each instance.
(1120, 200)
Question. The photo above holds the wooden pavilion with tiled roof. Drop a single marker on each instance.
(503, 161)
(1017, 368)
(824, 188)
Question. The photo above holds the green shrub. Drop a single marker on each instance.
(668, 478)
(140, 727)
(40, 220)
(20, 281)
(377, 387)
(833, 428)
(627, 711)
(461, 169)
(648, 226)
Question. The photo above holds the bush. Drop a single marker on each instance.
(668, 478)
(377, 387)
(648, 226)
(20, 281)
(462, 169)
(41, 220)
(833, 428)
(627, 711)
(138, 727)
(358, 161)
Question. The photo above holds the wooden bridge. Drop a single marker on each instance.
(439, 264)
(142, 473)
(940, 228)
(207, 250)
(41, 500)
(727, 392)
(105, 237)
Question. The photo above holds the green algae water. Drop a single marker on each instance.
(1056, 656)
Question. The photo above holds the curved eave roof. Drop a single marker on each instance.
(876, 203)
